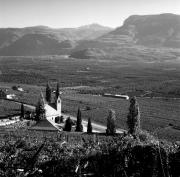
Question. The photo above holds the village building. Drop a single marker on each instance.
(10, 96)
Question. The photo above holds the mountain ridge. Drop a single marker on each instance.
(149, 30)
(9, 35)
(136, 33)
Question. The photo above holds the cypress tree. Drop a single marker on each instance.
(133, 118)
(79, 127)
(48, 93)
(40, 111)
(89, 126)
(68, 124)
(22, 111)
(57, 90)
(111, 129)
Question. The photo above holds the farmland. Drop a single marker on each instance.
(100, 76)
(156, 114)
(113, 75)
(8, 108)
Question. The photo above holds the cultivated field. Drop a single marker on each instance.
(102, 76)
(113, 75)
(8, 108)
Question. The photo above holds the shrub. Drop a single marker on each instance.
(68, 124)
(88, 108)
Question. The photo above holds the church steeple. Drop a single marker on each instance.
(58, 100)
(58, 105)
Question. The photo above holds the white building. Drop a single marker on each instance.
(20, 89)
(50, 112)
(10, 96)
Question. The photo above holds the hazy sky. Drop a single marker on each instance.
(73, 13)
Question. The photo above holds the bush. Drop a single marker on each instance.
(111, 156)
(68, 124)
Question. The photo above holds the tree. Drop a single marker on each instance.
(89, 126)
(48, 93)
(79, 127)
(2, 94)
(68, 124)
(40, 111)
(22, 111)
(111, 129)
(133, 118)
(57, 91)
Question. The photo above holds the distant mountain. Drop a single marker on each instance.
(36, 44)
(11, 38)
(94, 27)
(149, 30)
(140, 37)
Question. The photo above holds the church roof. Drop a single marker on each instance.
(44, 125)
(50, 111)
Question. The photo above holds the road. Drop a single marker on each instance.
(96, 127)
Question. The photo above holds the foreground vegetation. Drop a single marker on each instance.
(42, 154)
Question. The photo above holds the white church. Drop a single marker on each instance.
(52, 111)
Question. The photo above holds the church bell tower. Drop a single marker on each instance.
(58, 105)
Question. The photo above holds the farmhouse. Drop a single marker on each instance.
(10, 96)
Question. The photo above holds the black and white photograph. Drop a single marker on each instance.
(89, 88)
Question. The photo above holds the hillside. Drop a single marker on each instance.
(141, 37)
(36, 44)
(148, 30)
(12, 38)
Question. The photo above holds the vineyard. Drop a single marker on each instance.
(8, 108)
(157, 114)
(153, 117)
(43, 154)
